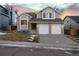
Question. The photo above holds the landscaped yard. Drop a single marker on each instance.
(19, 36)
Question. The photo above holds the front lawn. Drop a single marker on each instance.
(18, 36)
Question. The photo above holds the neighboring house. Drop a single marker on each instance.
(13, 16)
(71, 25)
(46, 21)
(4, 18)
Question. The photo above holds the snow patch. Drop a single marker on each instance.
(1, 33)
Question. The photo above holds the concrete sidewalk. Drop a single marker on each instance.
(39, 45)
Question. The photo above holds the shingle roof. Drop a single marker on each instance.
(75, 18)
(31, 14)
(58, 20)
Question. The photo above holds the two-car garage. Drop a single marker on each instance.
(43, 28)
(56, 29)
(49, 28)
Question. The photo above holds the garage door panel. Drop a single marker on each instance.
(43, 29)
(56, 28)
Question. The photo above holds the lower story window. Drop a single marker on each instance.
(23, 22)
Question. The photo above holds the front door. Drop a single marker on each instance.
(33, 27)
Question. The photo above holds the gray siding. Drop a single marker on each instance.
(4, 21)
(69, 23)
(4, 18)
(74, 25)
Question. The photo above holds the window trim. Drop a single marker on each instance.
(48, 16)
(27, 18)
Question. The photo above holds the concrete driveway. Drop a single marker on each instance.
(57, 39)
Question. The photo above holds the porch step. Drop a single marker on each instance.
(33, 31)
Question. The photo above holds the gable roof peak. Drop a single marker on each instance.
(50, 8)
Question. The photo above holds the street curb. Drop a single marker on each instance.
(37, 45)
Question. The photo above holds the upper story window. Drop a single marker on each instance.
(48, 15)
(44, 15)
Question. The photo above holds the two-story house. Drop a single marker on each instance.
(13, 15)
(46, 21)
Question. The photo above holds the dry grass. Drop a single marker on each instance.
(15, 36)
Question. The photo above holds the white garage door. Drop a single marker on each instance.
(43, 28)
(56, 28)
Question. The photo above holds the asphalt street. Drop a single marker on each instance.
(30, 51)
